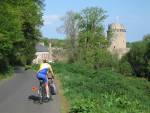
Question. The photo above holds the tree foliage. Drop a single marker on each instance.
(70, 28)
(139, 57)
(86, 38)
(19, 30)
(91, 40)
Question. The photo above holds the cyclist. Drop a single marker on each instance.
(45, 71)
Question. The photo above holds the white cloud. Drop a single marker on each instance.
(51, 19)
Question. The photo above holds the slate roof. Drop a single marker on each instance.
(41, 48)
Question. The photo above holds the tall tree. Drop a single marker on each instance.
(10, 31)
(70, 28)
(92, 41)
(32, 20)
(20, 21)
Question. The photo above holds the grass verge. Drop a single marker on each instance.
(64, 103)
(102, 91)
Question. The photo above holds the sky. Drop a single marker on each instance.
(133, 14)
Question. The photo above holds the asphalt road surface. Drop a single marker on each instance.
(16, 95)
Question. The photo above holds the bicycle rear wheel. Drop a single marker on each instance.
(42, 92)
(40, 95)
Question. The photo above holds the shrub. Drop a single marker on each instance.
(125, 68)
(138, 57)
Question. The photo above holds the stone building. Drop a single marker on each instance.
(42, 53)
(117, 39)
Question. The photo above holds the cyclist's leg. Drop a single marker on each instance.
(45, 79)
(46, 86)
(40, 91)
(47, 89)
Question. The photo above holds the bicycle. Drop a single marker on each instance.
(42, 91)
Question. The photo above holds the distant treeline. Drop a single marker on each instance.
(20, 21)
(60, 43)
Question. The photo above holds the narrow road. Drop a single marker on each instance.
(16, 91)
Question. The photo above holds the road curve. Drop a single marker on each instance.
(16, 91)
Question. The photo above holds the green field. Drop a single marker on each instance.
(102, 91)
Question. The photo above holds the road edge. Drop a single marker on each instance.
(63, 99)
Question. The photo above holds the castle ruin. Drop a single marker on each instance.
(117, 39)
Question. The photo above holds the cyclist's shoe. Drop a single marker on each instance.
(47, 99)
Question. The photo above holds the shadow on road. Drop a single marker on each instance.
(34, 98)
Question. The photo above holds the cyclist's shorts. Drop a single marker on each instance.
(43, 75)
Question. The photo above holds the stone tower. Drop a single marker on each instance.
(117, 39)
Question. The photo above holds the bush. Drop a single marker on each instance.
(125, 68)
(7, 73)
(35, 67)
(138, 57)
